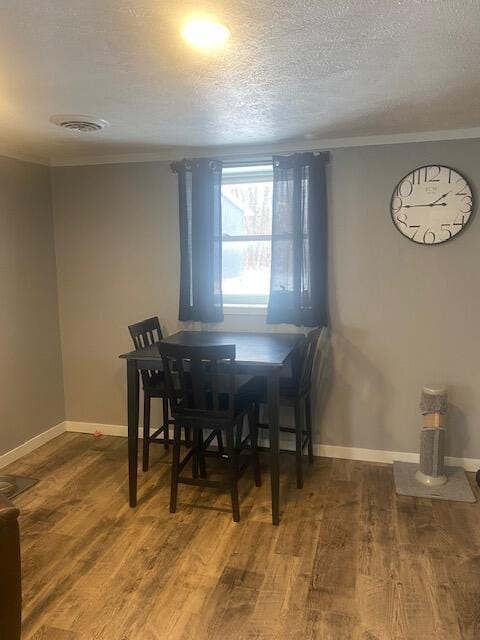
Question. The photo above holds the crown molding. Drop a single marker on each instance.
(234, 152)
(237, 151)
(17, 153)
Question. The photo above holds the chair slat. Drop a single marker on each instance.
(206, 378)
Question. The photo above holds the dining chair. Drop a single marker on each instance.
(145, 333)
(295, 392)
(203, 396)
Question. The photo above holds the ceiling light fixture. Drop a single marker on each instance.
(204, 33)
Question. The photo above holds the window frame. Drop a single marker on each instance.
(246, 173)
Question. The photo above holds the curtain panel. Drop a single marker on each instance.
(199, 191)
(298, 287)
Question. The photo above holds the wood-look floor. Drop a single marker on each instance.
(349, 561)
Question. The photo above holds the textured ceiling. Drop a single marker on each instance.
(292, 68)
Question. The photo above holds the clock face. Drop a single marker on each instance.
(432, 204)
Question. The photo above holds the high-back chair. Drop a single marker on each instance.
(295, 392)
(200, 382)
(145, 333)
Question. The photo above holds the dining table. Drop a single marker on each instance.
(269, 355)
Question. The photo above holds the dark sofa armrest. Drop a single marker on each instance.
(10, 572)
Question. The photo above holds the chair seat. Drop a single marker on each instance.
(155, 386)
(288, 390)
(245, 395)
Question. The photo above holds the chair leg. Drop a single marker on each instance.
(298, 442)
(233, 472)
(146, 431)
(308, 421)
(252, 427)
(220, 442)
(239, 435)
(175, 465)
(165, 423)
(201, 457)
(188, 440)
(194, 445)
(257, 417)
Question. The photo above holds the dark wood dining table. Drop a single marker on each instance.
(257, 354)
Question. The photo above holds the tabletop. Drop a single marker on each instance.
(270, 349)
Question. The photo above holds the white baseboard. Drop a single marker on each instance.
(324, 450)
(388, 457)
(93, 427)
(32, 444)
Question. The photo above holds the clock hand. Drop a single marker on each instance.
(441, 197)
(430, 204)
(435, 203)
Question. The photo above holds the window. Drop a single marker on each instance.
(246, 233)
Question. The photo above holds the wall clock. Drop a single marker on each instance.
(432, 204)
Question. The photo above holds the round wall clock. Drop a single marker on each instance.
(432, 204)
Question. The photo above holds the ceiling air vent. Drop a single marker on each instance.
(81, 124)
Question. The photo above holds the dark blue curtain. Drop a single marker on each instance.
(298, 287)
(199, 191)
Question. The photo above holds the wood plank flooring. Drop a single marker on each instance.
(349, 561)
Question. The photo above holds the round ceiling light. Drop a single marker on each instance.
(80, 124)
(205, 34)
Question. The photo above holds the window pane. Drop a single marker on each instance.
(247, 173)
(247, 193)
(246, 271)
(247, 208)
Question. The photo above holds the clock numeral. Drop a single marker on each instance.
(405, 188)
(416, 176)
(429, 237)
(402, 219)
(467, 204)
(397, 204)
(430, 175)
(462, 191)
(416, 227)
(460, 224)
(446, 229)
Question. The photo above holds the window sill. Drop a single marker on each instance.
(244, 310)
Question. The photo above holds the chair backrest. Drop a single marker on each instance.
(307, 359)
(200, 380)
(143, 334)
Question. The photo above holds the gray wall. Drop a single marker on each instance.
(117, 255)
(31, 385)
(403, 315)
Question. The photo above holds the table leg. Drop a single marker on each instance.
(273, 401)
(133, 394)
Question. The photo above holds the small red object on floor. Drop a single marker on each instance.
(97, 433)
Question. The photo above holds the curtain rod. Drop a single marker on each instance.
(229, 161)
